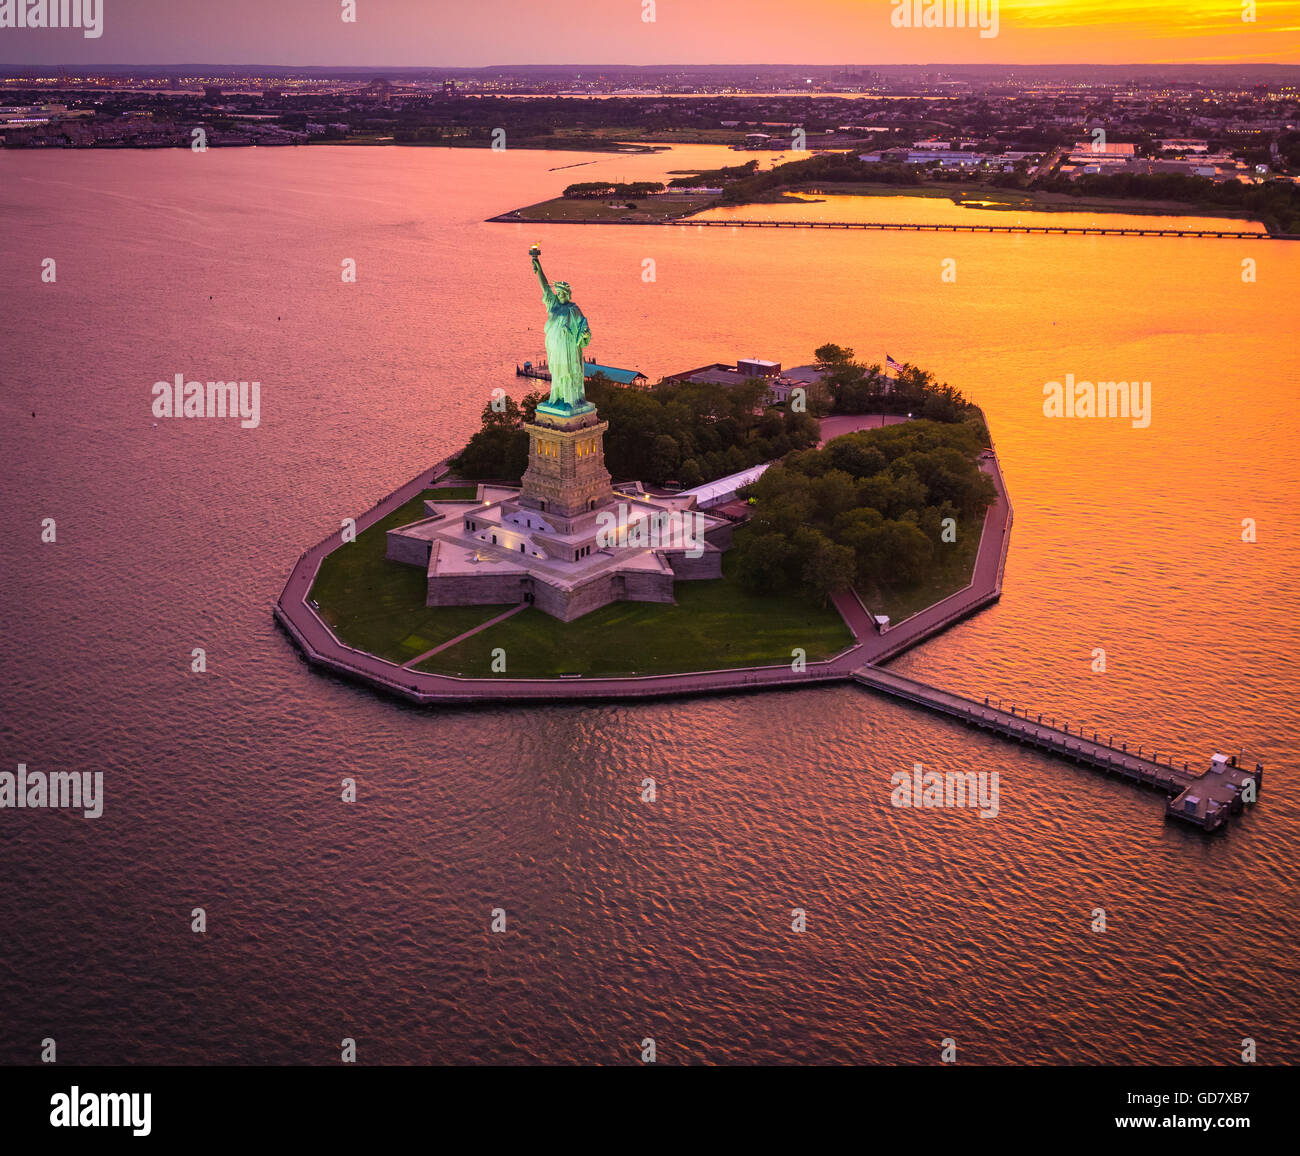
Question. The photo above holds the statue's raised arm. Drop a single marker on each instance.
(548, 297)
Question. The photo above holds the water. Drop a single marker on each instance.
(626, 919)
(944, 211)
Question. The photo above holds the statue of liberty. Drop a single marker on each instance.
(567, 335)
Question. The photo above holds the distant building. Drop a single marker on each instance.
(22, 115)
(946, 158)
(1096, 153)
(1188, 167)
(212, 92)
(745, 369)
(632, 378)
(951, 158)
(718, 373)
(723, 490)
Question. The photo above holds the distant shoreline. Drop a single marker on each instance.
(992, 199)
(1205, 232)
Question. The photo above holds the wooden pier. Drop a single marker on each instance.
(1207, 798)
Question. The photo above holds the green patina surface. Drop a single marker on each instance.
(567, 335)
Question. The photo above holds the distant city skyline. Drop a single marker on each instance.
(411, 33)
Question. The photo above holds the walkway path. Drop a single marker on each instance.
(419, 658)
(843, 423)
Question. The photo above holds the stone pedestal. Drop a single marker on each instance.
(566, 475)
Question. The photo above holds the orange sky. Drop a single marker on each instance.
(479, 32)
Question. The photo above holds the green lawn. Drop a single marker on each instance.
(714, 624)
(377, 605)
(954, 564)
(596, 209)
(450, 494)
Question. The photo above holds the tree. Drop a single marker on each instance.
(748, 396)
(664, 456)
(530, 403)
(860, 531)
(855, 455)
(764, 561)
(830, 357)
(906, 553)
(835, 493)
(495, 452)
(501, 413)
(872, 527)
(829, 569)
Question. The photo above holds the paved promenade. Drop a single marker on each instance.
(322, 648)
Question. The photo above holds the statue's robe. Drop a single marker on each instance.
(567, 335)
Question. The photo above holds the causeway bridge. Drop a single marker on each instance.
(915, 227)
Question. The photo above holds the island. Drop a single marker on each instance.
(551, 582)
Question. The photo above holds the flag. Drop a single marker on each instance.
(890, 363)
